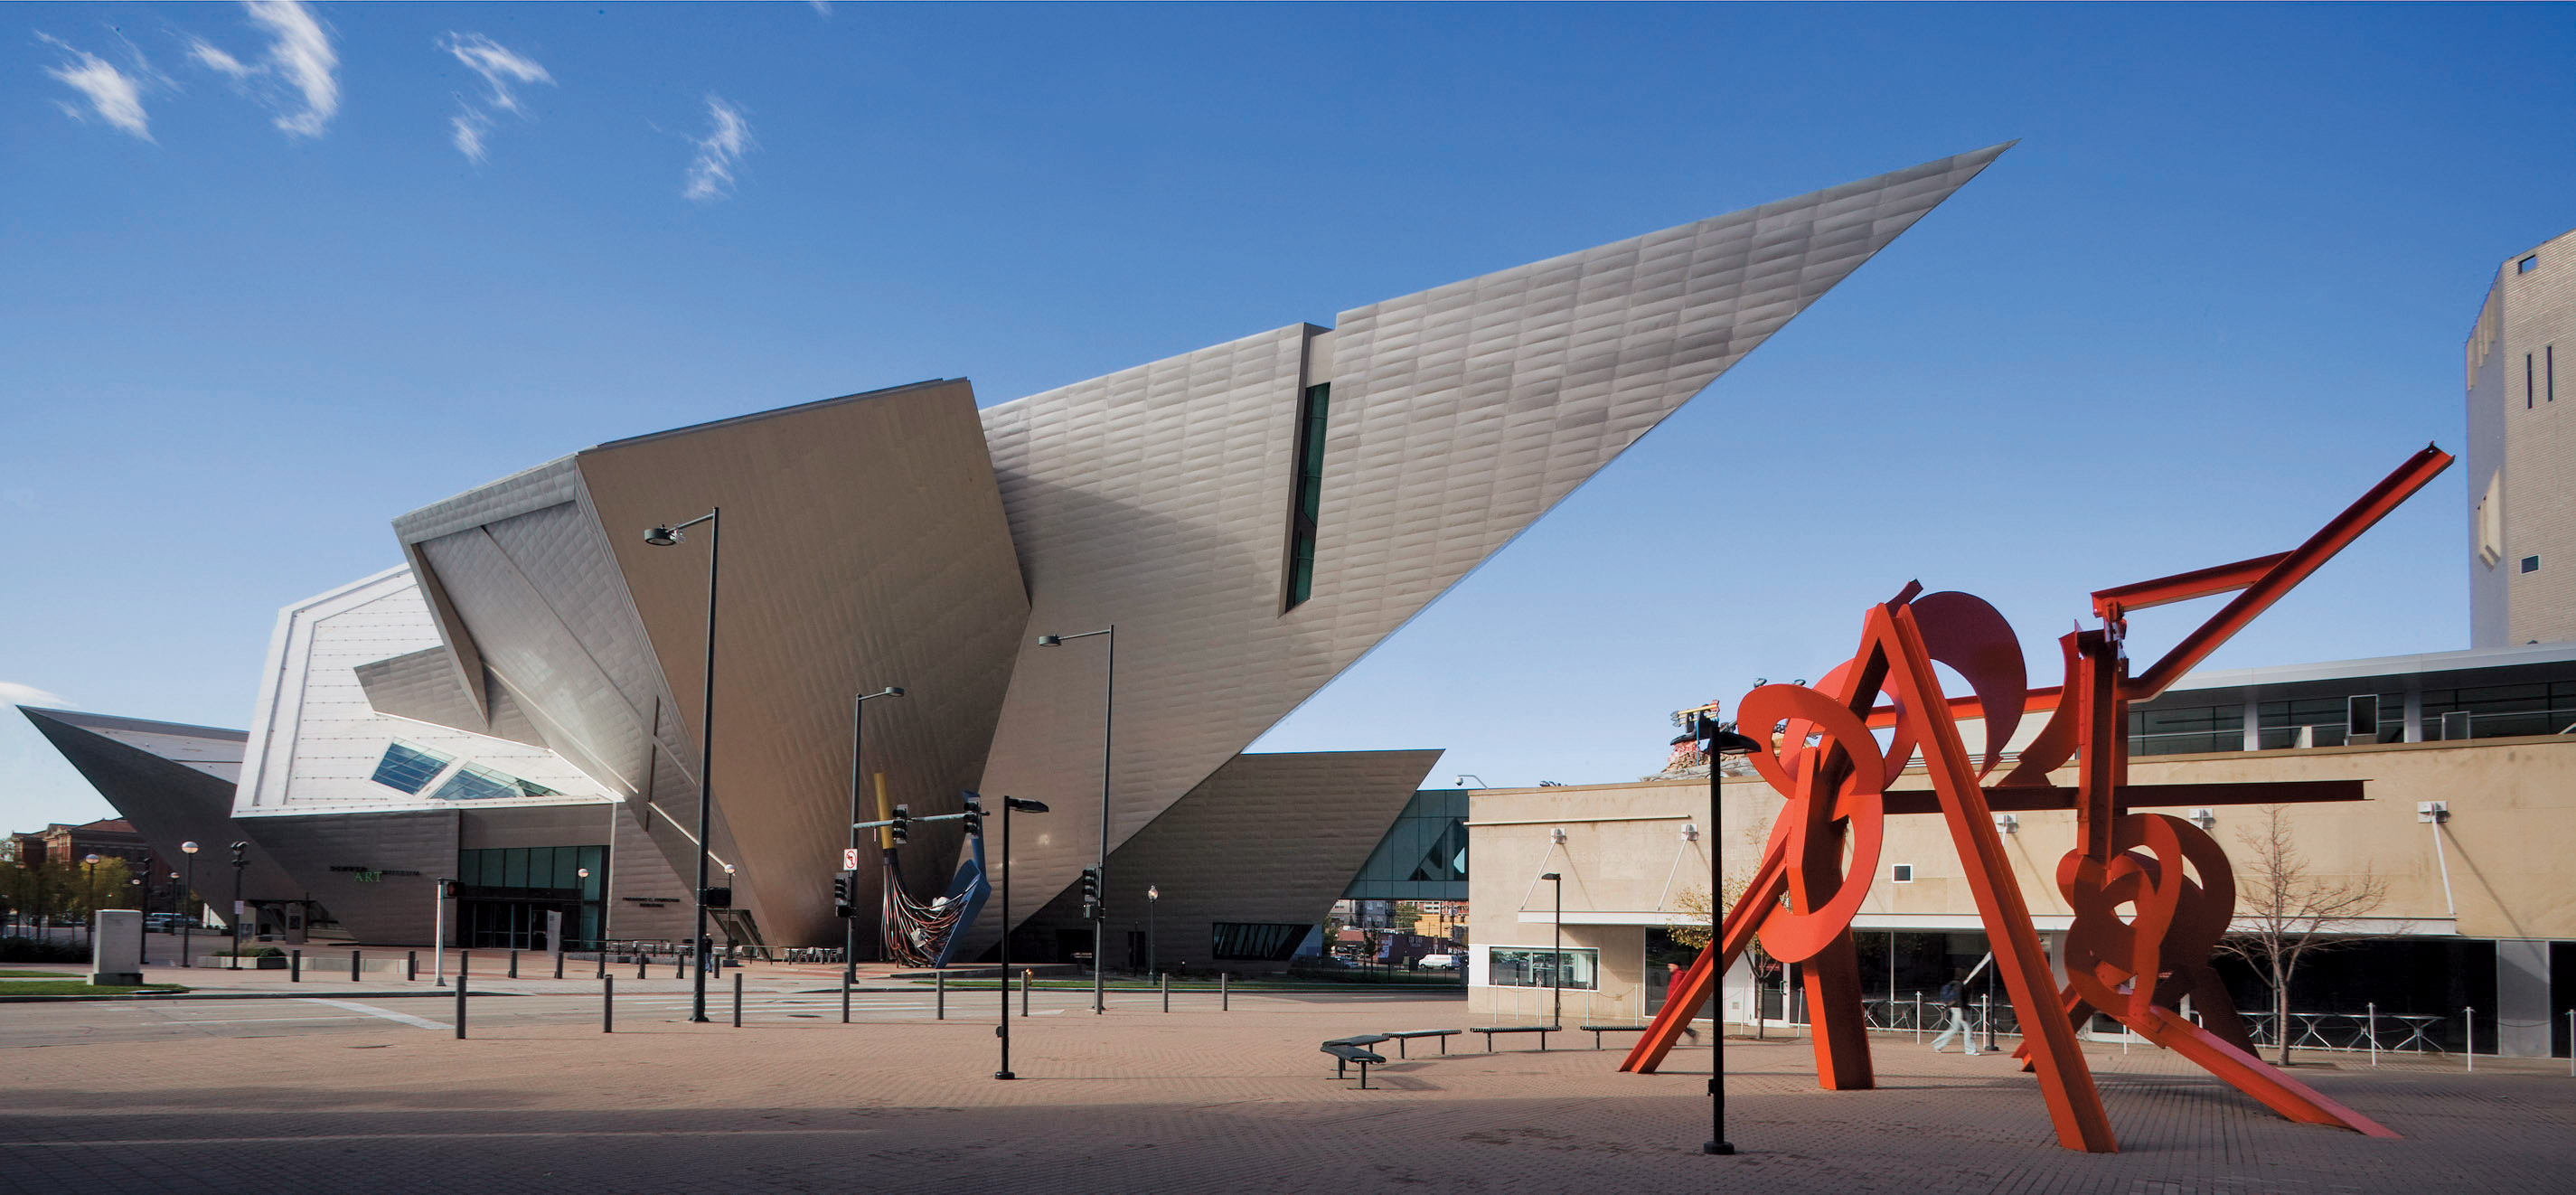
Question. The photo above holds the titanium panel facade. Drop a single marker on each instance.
(1158, 498)
(174, 783)
(1221, 854)
(863, 545)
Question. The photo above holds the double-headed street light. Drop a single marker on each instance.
(1100, 910)
(1009, 804)
(858, 739)
(665, 535)
(1716, 740)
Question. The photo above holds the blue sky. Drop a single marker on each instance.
(261, 297)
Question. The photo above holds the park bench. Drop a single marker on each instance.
(1344, 1054)
(1541, 1030)
(1597, 1030)
(1404, 1036)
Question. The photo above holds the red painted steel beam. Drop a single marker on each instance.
(2065, 1083)
(1697, 985)
(2293, 568)
(2182, 587)
(2040, 701)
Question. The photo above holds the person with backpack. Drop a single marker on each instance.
(1954, 996)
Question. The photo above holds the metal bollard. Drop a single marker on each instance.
(2469, 1030)
(1918, 1018)
(460, 1003)
(845, 1000)
(295, 966)
(737, 999)
(1167, 991)
(1024, 990)
(603, 962)
(1225, 999)
(558, 963)
(679, 966)
(411, 964)
(354, 969)
(939, 998)
(2373, 1007)
(1986, 1017)
(608, 1004)
(514, 964)
(639, 964)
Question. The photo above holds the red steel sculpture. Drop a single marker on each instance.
(2171, 878)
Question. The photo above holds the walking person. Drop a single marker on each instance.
(1954, 996)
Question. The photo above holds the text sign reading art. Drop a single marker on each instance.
(2151, 893)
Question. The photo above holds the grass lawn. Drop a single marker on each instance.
(35, 974)
(80, 987)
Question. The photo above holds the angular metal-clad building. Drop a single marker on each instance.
(1251, 517)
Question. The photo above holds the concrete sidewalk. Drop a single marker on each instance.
(1189, 1102)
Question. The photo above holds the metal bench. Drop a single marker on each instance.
(1597, 1030)
(1345, 1055)
(1407, 1035)
(1541, 1030)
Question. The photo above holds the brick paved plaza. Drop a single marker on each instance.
(308, 1088)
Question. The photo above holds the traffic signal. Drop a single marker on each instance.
(974, 803)
(446, 889)
(845, 893)
(902, 827)
(241, 854)
(1091, 909)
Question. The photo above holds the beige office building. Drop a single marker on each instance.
(2477, 913)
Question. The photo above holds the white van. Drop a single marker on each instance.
(1438, 962)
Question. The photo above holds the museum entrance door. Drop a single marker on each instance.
(515, 924)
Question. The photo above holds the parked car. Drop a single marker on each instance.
(1439, 962)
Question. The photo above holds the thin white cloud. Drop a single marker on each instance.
(501, 69)
(822, 6)
(727, 140)
(113, 95)
(297, 73)
(207, 55)
(13, 693)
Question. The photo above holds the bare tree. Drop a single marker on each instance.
(2285, 910)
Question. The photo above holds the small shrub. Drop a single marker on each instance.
(252, 952)
(38, 950)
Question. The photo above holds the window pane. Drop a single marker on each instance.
(514, 867)
(408, 767)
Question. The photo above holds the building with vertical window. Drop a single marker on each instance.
(531, 686)
(2522, 452)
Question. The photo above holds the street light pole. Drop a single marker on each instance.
(1153, 895)
(1716, 741)
(1556, 952)
(188, 896)
(663, 536)
(1100, 912)
(850, 926)
(241, 859)
(89, 893)
(1009, 804)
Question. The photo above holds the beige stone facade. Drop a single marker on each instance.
(2522, 452)
(1626, 860)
